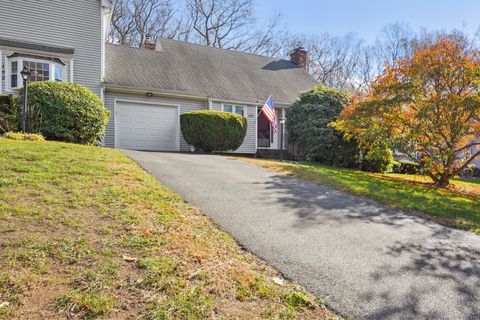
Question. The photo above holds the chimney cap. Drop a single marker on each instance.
(299, 49)
(299, 56)
(149, 43)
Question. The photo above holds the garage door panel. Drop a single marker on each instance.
(147, 127)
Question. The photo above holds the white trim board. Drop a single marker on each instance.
(234, 108)
(1, 68)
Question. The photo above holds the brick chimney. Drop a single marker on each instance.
(299, 56)
(149, 43)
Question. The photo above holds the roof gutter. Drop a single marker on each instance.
(184, 94)
(167, 93)
(256, 103)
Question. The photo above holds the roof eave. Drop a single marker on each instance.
(35, 48)
(257, 102)
(163, 92)
(182, 94)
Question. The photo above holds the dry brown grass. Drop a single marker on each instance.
(85, 233)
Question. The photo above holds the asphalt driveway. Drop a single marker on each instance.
(366, 261)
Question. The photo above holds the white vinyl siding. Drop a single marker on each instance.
(67, 23)
(249, 145)
(185, 105)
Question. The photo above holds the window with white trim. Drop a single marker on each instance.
(14, 74)
(42, 70)
(241, 110)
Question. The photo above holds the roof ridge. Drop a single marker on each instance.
(129, 47)
(199, 45)
(221, 49)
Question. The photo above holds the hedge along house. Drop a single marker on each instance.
(146, 89)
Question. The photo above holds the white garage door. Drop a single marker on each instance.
(146, 127)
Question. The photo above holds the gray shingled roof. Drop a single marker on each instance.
(216, 73)
(35, 46)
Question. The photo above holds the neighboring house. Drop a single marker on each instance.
(146, 89)
(475, 161)
(57, 40)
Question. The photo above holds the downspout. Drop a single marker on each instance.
(210, 104)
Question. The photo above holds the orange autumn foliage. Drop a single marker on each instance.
(427, 106)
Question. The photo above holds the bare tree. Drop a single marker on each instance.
(133, 20)
(426, 38)
(393, 43)
(267, 40)
(231, 24)
(123, 28)
(366, 69)
(333, 61)
(228, 24)
(220, 23)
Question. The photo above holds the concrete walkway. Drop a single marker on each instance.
(364, 260)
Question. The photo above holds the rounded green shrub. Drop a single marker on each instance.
(213, 130)
(66, 112)
(308, 126)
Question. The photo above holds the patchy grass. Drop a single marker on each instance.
(457, 206)
(85, 233)
(85, 305)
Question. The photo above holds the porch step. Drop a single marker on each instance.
(274, 154)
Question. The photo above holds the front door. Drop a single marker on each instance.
(264, 131)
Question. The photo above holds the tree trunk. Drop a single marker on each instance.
(443, 180)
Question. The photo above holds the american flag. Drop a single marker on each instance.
(269, 111)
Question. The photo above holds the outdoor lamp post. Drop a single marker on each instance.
(282, 125)
(25, 73)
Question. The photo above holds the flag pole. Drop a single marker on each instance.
(282, 125)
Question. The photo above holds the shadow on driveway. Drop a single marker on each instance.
(365, 260)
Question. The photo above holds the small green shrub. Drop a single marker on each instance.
(9, 114)
(298, 300)
(23, 136)
(378, 158)
(66, 112)
(213, 130)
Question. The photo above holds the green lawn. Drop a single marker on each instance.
(85, 233)
(458, 206)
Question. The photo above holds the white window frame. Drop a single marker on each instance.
(8, 70)
(234, 108)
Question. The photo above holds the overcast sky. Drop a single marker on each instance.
(366, 17)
